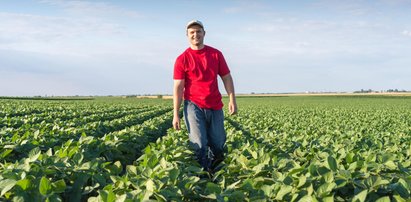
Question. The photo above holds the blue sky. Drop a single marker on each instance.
(57, 47)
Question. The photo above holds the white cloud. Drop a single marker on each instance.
(402, 3)
(406, 33)
(349, 8)
(36, 33)
(90, 8)
(98, 47)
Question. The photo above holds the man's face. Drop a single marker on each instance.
(195, 35)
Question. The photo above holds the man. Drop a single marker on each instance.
(195, 76)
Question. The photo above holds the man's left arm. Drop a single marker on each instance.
(229, 87)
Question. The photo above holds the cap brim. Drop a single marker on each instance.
(195, 22)
(192, 24)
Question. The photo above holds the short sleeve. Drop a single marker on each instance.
(179, 73)
(223, 67)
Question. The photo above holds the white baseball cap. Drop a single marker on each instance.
(195, 22)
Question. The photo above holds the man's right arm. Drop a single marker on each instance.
(177, 99)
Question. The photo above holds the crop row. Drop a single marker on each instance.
(14, 108)
(282, 149)
(282, 154)
(74, 169)
(77, 117)
(16, 143)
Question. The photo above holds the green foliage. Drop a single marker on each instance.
(278, 149)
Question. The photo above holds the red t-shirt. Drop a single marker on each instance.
(199, 69)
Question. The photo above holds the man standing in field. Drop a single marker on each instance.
(195, 76)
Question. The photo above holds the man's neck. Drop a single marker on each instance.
(197, 47)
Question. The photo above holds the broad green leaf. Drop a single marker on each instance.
(332, 163)
(301, 181)
(49, 152)
(345, 174)
(306, 198)
(328, 199)
(350, 157)
(122, 198)
(163, 163)
(383, 199)
(258, 168)
(36, 134)
(117, 167)
(243, 161)
(53, 198)
(19, 199)
(268, 190)
(353, 166)
(6, 185)
(147, 150)
(310, 189)
(247, 185)
(45, 186)
(325, 189)
(152, 162)
(210, 196)
(24, 183)
(173, 174)
(285, 189)
(404, 183)
(233, 185)
(398, 198)
(296, 170)
(150, 185)
(212, 188)
(375, 181)
(371, 158)
(288, 180)
(390, 165)
(401, 187)
(34, 154)
(236, 196)
(59, 186)
(253, 154)
(78, 158)
(111, 197)
(107, 194)
(80, 181)
(387, 157)
(131, 170)
(5, 153)
(100, 179)
(313, 169)
(360, 197)
(328, 177)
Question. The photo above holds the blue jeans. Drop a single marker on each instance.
(206, 133)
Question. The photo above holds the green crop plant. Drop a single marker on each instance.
(309, 148)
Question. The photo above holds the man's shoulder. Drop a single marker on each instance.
(212, 49)
(183, 54)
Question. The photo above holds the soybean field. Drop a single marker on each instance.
(296, 148)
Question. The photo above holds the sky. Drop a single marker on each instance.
(64, 48)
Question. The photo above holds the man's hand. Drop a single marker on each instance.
(232, 108)
(176, 123)
(177, 98)
(229, 87)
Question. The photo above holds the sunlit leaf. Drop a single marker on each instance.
(6, 185)
(45, 186)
